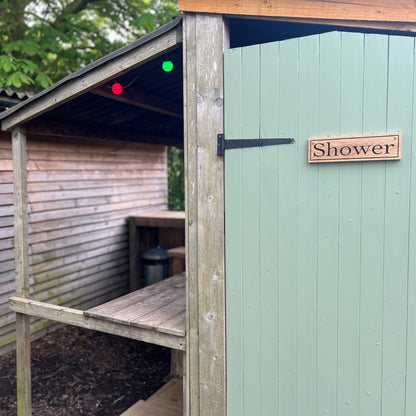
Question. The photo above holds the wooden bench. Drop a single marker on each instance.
(154, 314)
(159, 308)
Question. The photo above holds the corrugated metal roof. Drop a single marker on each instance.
(10, 97)
(95, 111)
(16, 93)
(99, 62)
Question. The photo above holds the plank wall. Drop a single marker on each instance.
(80, 194)
(6, 235)
(320, 268)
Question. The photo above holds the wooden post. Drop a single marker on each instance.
(24, 399)
(134, 259)
(205, 38)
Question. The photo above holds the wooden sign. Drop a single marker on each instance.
(355, 148)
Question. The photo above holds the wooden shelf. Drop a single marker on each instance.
(155, 314)
(166, 219)
(159, 307)
(177, 252)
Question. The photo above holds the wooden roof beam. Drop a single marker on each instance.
(84, 80)
(73, 130)
(143, 100)
(403, 11)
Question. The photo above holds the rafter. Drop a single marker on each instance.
(50, 128)
(143, 100)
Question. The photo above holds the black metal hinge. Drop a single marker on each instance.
(223, 145)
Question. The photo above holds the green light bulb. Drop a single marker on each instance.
(167, 66)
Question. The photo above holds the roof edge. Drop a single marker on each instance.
(169, 35)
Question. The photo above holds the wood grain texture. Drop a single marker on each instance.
(365, 10)
(157, 306)
(191, 223)
(24, 393)
(23, 371)
(80, 194)
(78, 318)
(333, 272)
(203, 86)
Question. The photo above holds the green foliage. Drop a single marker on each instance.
(176, 179)
(43, 41)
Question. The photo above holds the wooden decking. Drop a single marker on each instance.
(167, 401)
(154, 314)
(159, 307)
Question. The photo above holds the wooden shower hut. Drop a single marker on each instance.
(90, 185)
(300, 276)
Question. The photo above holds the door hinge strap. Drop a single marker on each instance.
(223, 145)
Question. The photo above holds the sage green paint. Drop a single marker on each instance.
(320, 258)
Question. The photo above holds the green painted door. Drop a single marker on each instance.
(320, 258)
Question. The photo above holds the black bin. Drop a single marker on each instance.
(155, 265)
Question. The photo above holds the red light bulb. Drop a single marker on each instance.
(117, 88)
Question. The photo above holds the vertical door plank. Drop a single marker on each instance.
(251, 237)
(307, 227)
(287, 213)
(328, 202)
(352, 49)
(400, 81)
(233, 234)
(372, 229)
(337, 279)
(410, 408)
(268, 223)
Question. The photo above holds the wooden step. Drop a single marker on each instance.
(167, 401)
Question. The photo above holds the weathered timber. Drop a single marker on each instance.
(362, 10)
(78, 318)
(142, 99)
(167, 401)
(24, 394)
(20, 211)
(203, 92)
(80, 194)
(177, 259)
(23, 367)
(98, 75)
(167, 219)
(152, 306)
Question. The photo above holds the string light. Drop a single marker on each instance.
(167, 66)
(117, 88)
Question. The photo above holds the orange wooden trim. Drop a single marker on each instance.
(371, 147)
(366, 10)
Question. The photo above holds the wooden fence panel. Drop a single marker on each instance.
(80, 194)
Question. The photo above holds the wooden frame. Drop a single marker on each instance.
(95, 77)
(76, 317)
(24, 396)
(362, 10)
(203, 115)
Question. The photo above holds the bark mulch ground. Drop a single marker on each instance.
(80, 372)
